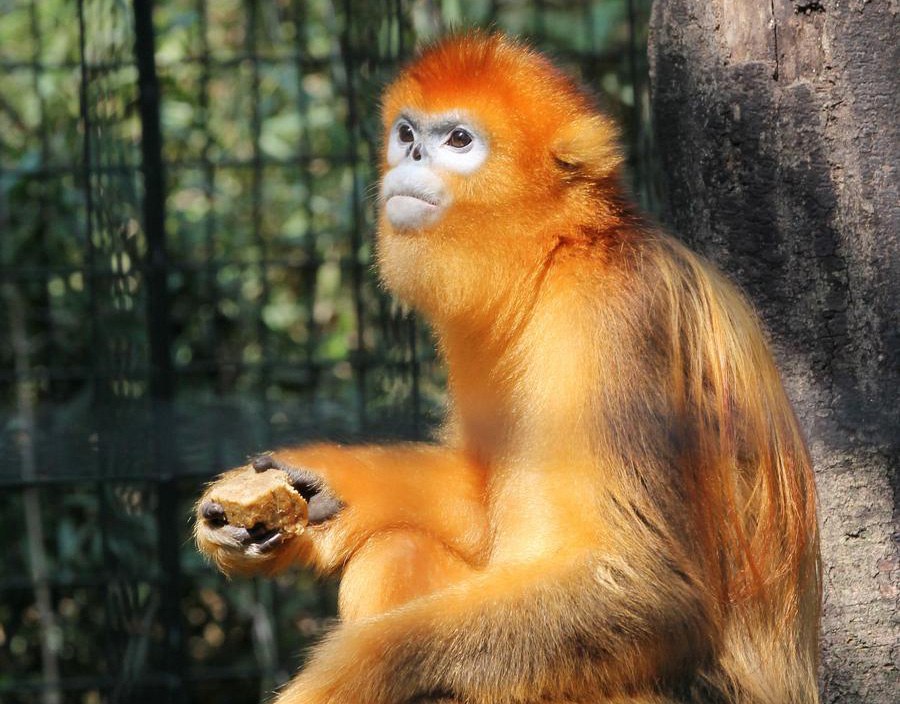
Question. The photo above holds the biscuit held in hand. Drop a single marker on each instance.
(249, 499)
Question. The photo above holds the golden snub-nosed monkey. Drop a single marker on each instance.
(622, 508)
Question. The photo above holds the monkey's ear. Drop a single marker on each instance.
(586, 147)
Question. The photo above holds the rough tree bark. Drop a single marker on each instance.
(779, 133)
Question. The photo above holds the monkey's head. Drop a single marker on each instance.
(491, 156)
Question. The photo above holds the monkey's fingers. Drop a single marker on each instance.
(322, 503)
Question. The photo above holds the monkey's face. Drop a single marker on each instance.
(422, 151)
(490, 156)
(448, 206)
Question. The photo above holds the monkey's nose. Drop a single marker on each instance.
(417, 152)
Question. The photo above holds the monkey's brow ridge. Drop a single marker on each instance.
(443, 125)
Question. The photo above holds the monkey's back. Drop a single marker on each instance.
(725, 472)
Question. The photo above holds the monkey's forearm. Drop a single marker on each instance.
(429, 488)
(518, 634)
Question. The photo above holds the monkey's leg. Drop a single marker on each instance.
(555, 629)
(354, 493)
(394, 567)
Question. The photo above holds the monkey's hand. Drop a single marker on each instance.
(263, 517)
(353, 493)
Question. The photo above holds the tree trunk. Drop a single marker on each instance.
(779, 133)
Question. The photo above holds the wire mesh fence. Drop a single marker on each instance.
(185, 259)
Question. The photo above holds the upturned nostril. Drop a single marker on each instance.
(213, 513)
(417, 153)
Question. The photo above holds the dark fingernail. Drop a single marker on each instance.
(271, 543)
(213, 513)
(238, 534)
(263, 462)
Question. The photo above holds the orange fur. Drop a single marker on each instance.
(637, 502)
(398, 538)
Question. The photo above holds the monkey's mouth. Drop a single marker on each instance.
(411, 210)
(410, 196)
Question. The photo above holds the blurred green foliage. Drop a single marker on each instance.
(278, 329)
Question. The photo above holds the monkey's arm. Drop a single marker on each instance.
(356, 492)
(522, 633)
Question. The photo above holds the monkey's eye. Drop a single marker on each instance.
(405, 133)
(459, 138)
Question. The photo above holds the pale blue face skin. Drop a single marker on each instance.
(421, 147)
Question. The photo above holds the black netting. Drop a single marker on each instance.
(185, 259)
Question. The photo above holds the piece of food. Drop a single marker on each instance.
(250, 498)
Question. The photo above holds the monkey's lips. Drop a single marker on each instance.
(410, 211)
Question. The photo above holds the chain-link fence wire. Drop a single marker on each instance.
(186, 221)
